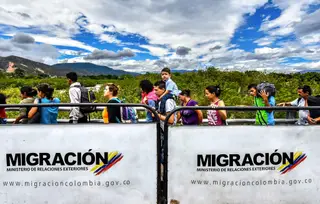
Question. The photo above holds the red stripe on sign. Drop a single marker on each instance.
(294, 166)
(109, 166)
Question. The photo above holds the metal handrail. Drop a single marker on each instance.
(102, 105)
(143, 107)
(99, 108)
(74, 104)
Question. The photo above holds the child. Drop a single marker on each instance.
(171, 86)
(3, 115)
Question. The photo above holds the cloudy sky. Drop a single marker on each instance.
(146, 35)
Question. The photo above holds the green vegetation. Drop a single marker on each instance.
(234, 86)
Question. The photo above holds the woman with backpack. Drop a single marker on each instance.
(189, 117)
(44, 115)
(27, 95)
(111, 114)
(148, 97)
(3, 115)
(215, 117)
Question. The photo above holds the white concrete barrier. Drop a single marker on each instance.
(78, 164)
(244, 165)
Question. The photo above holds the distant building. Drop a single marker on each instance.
(11, 67)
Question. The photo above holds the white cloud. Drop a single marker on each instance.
(136, 50)
(39, 52)
(72, 52)
(293, 13)
(95, 28)
(264, 41)
(307, 65)
(109, 39)
(171, 24)
(267, 50)
(309, 39)
(156, 51)
(309, 29)
(59, 41)
(53, 17)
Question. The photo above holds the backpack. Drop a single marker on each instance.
(128, 114)
(314, 101)
(268, 87)
(162, 107)
(87, 96)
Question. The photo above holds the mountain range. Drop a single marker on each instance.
(311, 70)
(83, 69)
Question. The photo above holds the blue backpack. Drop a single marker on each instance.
(128, 114)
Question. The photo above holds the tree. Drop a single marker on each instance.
(19, 73)
(2, 74)
(42, 75)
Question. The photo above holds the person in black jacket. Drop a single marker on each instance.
(314, 116)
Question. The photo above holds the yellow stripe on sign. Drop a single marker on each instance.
(97, 166)
(110, 156)
(296, 155)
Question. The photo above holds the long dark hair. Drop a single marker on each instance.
(185, 92)
(30, 92)
(214, 89)
(146, 86)
(47, 90)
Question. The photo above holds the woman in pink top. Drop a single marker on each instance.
(215, 117)
(148, 97)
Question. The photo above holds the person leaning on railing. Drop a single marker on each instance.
(262, 99)
(189, 117)
(304, 92)
(148, 97)
(215, 117)
(27, 95)
(44, 115)
(314, 116)
(166, 103)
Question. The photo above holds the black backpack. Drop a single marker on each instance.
(87, 96)
(314, 101)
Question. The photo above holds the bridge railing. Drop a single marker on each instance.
(66, 107)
